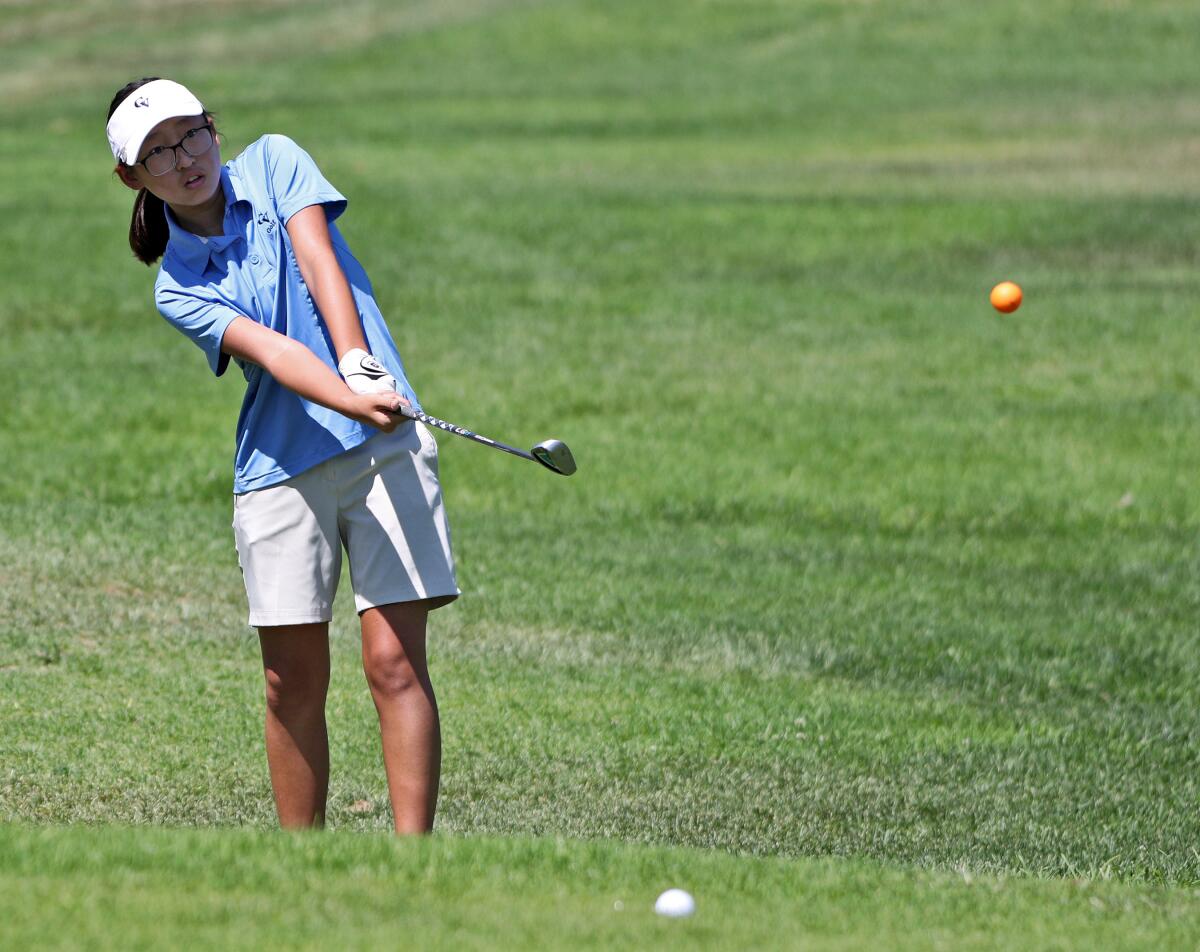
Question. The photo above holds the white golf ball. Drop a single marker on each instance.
(675, 903)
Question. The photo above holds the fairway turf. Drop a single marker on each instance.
(852, 568)
(226, 890)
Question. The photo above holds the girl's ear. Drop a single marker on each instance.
(128, 176)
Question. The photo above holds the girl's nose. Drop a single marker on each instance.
(183, 160)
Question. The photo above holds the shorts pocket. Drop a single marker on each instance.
(429, 445)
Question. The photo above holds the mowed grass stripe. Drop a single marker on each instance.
(136, 707)
(134, 889)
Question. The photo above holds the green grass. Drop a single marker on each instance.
(854, 572)
(237, 890)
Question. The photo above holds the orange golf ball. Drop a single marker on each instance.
(1006, 297)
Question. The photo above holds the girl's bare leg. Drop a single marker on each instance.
(296, 666)
(395, 664)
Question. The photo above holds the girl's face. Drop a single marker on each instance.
(194, 180)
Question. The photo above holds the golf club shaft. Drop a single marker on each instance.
(462, 431)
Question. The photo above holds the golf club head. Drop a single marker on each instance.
(554, 454)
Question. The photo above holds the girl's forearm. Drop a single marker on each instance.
(288, 361)
(325, 279)
(335, 302)
(302, 371)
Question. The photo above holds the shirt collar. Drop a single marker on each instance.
(194, 251)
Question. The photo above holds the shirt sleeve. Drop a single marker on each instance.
(203, 321)
(295, 182)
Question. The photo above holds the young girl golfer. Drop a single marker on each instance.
(254, 268)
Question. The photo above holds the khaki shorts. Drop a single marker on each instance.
(380, 500)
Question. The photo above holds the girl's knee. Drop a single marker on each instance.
(291, 687)
(392, 674)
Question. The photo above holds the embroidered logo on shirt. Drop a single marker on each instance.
(266, 221)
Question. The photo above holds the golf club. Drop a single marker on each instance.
(553, 454)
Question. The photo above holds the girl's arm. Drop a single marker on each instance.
(325, 279)
(302, 371)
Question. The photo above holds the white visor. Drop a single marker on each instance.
(142, 110)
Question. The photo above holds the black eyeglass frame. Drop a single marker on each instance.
(159, 149)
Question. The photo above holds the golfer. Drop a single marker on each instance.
(254, 269)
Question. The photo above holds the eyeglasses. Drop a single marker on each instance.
(163, 159)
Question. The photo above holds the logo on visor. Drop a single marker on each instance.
(140, 102)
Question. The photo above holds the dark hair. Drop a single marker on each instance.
(148, 229)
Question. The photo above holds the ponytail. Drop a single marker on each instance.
(148, 230)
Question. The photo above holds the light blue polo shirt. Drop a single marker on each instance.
(251, 271)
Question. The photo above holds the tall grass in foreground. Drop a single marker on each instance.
(120, 888)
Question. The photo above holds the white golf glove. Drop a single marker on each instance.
(364, 374)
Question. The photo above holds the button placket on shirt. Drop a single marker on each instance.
(264, 296)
